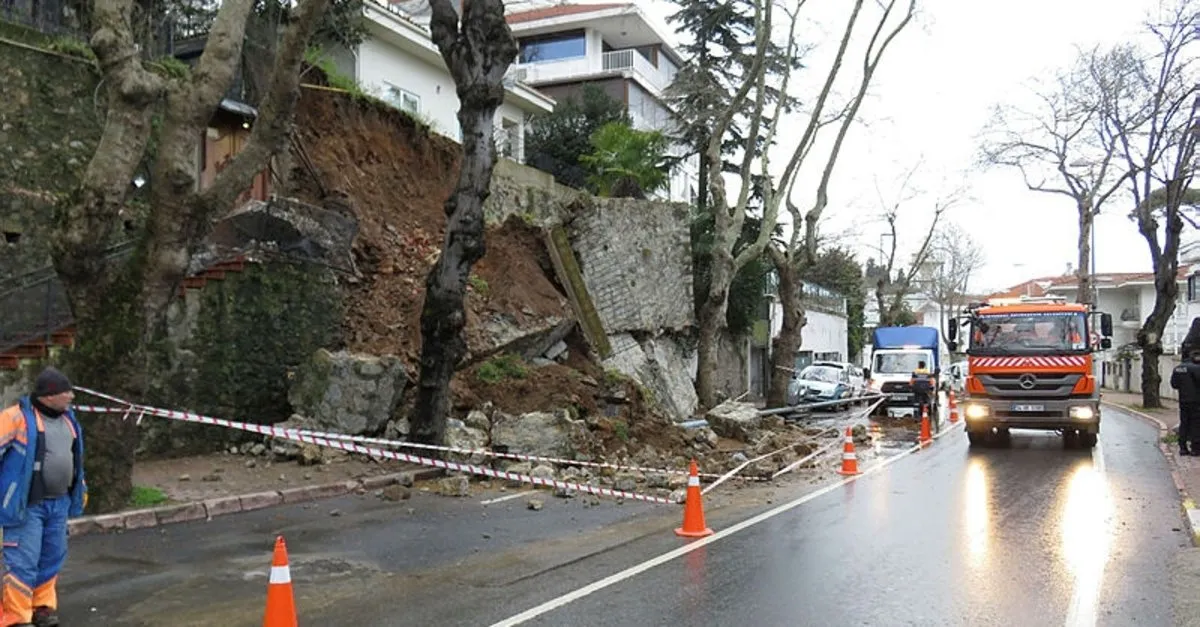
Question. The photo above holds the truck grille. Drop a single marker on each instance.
(893, 387)
(1020, 385)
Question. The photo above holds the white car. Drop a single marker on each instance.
(825, 381)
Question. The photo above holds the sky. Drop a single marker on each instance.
(929, 102)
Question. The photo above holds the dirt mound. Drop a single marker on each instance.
(397, 176)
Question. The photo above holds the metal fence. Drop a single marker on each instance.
(53, 17)
(33, 311)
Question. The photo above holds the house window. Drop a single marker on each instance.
(556, 47)
(1193, 289)
(402, 99)
(508, 139)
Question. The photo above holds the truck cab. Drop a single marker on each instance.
(1030, 367)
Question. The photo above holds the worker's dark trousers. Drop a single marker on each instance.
(1189, 426)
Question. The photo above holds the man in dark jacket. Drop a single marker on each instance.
(1186, 379)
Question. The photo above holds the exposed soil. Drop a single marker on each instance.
(397, 177)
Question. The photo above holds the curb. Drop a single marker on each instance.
(208, 509)
(1190, 512)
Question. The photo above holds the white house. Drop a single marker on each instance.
(399, 63)
(614, 46)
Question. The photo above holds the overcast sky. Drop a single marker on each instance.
(930, 100)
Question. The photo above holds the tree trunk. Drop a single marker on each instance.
(1084, 272)
(712, 320)
(444, 314)
(1166, 291)
(478, 49)
(784, 347)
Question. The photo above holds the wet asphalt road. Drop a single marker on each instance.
(1028, 535)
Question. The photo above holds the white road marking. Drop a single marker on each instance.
(1085, 598)
(596, 586)
(507, 498)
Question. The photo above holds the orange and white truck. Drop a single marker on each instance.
(1030, 367)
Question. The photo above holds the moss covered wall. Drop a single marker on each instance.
(49, 125)
(238, 340)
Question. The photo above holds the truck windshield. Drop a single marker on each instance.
(1029, 333)
(899, 363)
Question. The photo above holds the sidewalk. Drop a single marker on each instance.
(1184, 470)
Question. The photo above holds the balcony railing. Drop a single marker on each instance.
(617, 60)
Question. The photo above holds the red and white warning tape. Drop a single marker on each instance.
(295, 436)
(417, 445)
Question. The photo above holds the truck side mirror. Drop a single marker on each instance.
(952, 345)
(1106, 324)
(952, 330)
(1105, 343)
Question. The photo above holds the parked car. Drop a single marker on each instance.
(825, 381)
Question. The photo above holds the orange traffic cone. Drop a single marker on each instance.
(926, 438)
(953, 408)
(693, 510)
(281, 604)
(849, 458)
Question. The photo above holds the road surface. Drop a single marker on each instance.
(1029, 535)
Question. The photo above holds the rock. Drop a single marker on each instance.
(860, 435)
(348, 393)
(459, 435)
(627, 481)
(658, 480)
(535, 504)
(560, 348)
(310, 455)
(250, 463)
(459, 485)
(258, 449)
(541, 433)
(478, 420)
(679, 495)
(542, 471)
(212, 477)
(731, 419)
(396, 492)
(397, 429)
(677, 480)
(564, 493)
(185, 477)
(739, 458)
(570, 473)
(335, 512)
(406, 480)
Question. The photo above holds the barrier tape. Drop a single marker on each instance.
(290, 434)
(793, 466)
(96, 409)
(403, 444)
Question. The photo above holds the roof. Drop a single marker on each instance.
(1044, 285)
(561, 10)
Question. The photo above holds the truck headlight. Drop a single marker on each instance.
(975, 411)
(1081, 412)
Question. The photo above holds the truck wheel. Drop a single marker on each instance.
(1088, 440)
(977, 438)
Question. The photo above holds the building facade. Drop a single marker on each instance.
(399, 63)
(615, 47)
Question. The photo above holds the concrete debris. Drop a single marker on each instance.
(535, 504)
(458, 485)
(732, 419)
(348, 393)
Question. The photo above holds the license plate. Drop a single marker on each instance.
(901, 397)
(1029, 408)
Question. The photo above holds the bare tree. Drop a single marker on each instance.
(894, 285)
(1152, 102)
(120, 306)
(957, 257)
(790, 258)
(478, 50)
(1060, 148)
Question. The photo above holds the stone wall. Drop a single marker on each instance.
(49, 125)
(636, 261)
